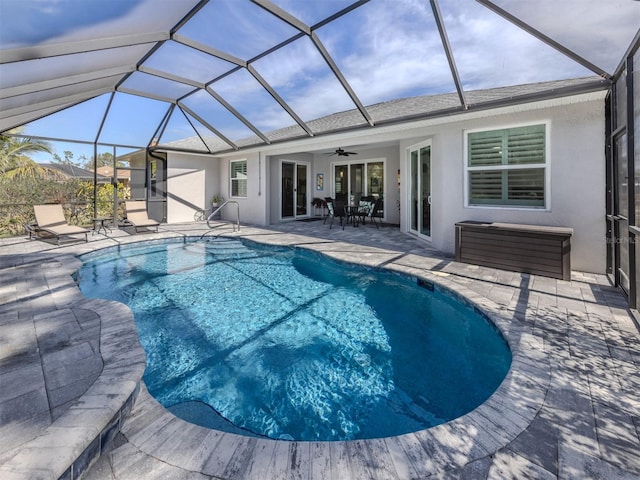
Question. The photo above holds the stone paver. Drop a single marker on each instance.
(63, 392)
(569, 408)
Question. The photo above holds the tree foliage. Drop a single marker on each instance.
(68, 159)
(14, 157)
(104, 159)
(24, 183)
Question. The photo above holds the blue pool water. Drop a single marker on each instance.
(288, 344)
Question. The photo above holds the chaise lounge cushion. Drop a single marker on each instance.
(137, 215)
(50, 219)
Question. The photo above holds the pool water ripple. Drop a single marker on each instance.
(275, 342)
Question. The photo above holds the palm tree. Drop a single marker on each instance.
(14, 159)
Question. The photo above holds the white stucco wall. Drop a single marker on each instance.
(253, 207)
(577, 191)
(191, 182)
(576, 162)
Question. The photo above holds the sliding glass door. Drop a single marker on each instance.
(294, 189)
(420, 189)
(623, 181)
(354, 180)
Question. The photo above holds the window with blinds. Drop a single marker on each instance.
(507, 167)
(238, 174)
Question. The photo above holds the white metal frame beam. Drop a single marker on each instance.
(81, 46)
(57, 102)
(222, 137)
(237, 114)
(308, 31)
(449, 52)
(66, 81)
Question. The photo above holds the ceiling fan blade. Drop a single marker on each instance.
(341, 153)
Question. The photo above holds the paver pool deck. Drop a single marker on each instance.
(72, 403)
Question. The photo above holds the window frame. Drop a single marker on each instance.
(505, 167)
(236, 179)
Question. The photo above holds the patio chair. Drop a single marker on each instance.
(364, 208)
(136, 215)
(50, 222)
(376, 212)
(328, 201)
(335, 208)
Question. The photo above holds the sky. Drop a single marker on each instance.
(386, 49)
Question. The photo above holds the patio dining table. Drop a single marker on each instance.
(352, 215)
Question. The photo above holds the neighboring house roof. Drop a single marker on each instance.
(108, 172)
(409, 109)
(71, 171)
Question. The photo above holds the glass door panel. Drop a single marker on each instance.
(425, 190)
(301, 189)
(341, 182)
(622, 210)
(157, 200)
(356, 183)
(287, 190)
(420, 190)
(375, 179)
(414, 190)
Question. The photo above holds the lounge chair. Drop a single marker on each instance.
(137, 217)
(50, 222)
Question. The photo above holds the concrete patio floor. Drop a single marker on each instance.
(569, 408)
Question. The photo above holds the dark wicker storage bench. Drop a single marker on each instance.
(539, 250)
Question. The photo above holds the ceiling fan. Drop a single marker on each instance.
(341, 153)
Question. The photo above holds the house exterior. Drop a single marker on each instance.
(123, 175)
(428, 170)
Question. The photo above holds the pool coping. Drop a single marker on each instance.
(68, 446)
(451, 445)
(102, 411)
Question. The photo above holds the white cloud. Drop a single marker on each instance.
(491, 52)
(600, 31)
(300, 75)
(398, 53)
(391, 49)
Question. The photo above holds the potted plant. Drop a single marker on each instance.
(216, 200)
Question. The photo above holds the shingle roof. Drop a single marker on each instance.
(72, 171)
(410, 109)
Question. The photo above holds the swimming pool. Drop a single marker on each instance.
(287, 344)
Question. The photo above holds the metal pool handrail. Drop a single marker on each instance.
(220, 208)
